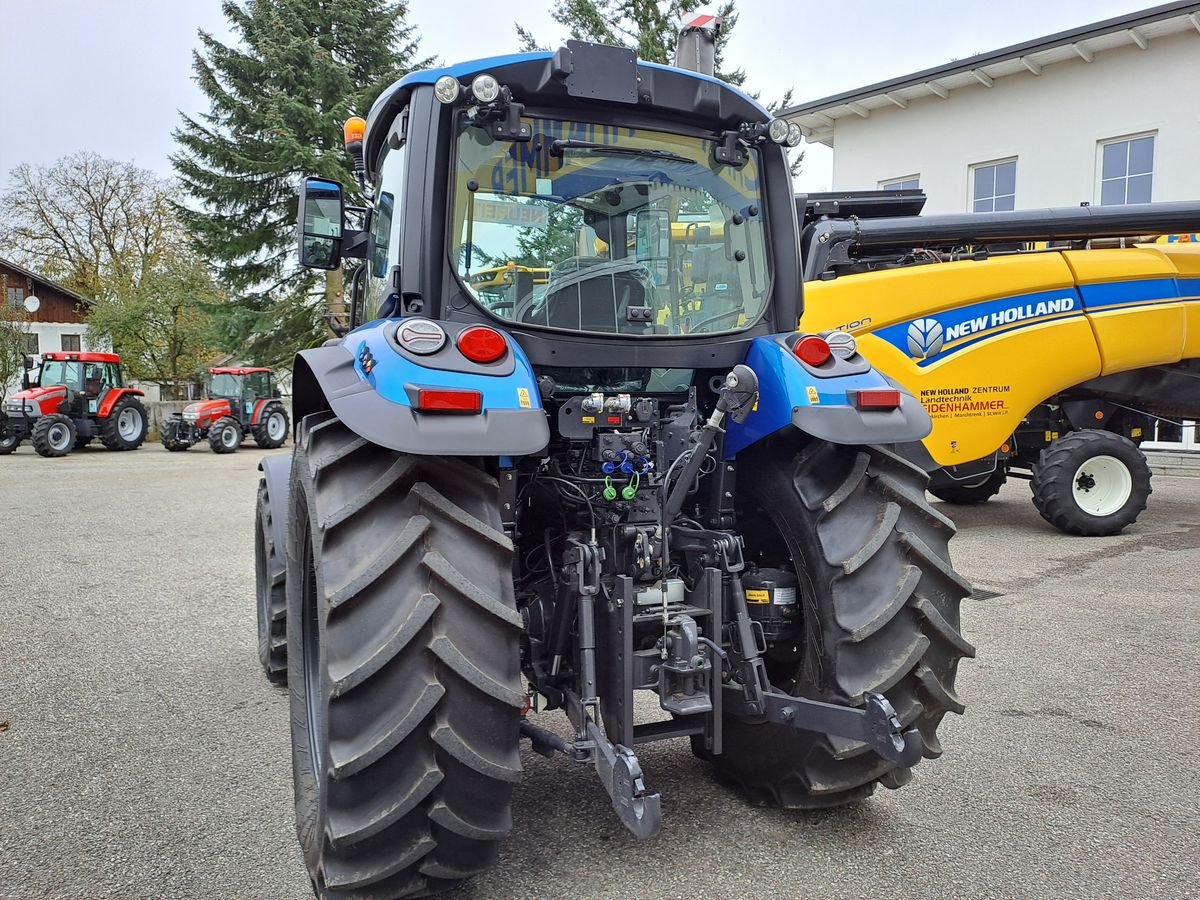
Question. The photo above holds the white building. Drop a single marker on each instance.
(1105, 113)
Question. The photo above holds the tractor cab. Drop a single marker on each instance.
(241, 388)
(75, 398)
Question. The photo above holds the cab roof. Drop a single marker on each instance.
(72, 356)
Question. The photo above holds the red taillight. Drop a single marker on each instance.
(449, 401)
(812, 350)
(481, 344)
(877, 398)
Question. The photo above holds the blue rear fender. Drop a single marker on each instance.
(373, 386)
(821, 401)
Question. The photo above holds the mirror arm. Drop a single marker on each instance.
(354, 244)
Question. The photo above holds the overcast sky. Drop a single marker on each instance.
(112, 75)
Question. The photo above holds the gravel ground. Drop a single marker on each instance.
(142, 753)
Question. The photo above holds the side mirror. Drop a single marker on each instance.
(27, 362)
(653, 231)
(319, 224)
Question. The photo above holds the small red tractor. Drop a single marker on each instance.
(241, 402)
(76, 397)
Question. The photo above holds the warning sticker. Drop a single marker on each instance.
(813, 397)
(523, 398)
(756, 595)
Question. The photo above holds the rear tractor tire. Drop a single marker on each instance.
(403, 665)
(53, 435)
(966, 494)
(1091, 483)
(225, 435)
(272, 429)
(880, 612)
(270, 570)
(126, 425)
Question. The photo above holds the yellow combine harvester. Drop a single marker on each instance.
(1048, 361)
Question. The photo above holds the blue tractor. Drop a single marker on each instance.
(629, 477)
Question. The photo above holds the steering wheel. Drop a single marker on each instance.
(729, 313)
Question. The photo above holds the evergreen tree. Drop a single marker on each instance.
(278, 97)
(651, 27)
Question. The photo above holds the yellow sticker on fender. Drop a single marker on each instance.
(813, 397)
(757, 596)
(523, 398)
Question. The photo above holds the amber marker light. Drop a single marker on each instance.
(354, 130)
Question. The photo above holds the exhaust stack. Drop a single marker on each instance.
(696, 49)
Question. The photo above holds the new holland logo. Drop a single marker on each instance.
(925, 338)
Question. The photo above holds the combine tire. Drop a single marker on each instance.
(125, 427)
(270, 570)
(403, 663)
(225, 435)
(1091, 483)
(880, 604)
(53, 435)
(970, 494)
(272, 429)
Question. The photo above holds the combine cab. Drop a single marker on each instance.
(634, 479)
(76, 398)
(241, 402)
(1046, 344)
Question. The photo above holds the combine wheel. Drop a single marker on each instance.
(968, 494)
(225, 435)
(272, 429)
(125, 427)
(270, 570)
(1091, 483)
(403, 663)
(880, 607)
(53, 435)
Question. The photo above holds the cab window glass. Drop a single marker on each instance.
(385, 230)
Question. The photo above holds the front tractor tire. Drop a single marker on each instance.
(403, 664)
(8, 441)
(53, 435)
(225, 435)
(270, 570)
(272, 429)
(126, 425)
(1091, 483)
(880, 611)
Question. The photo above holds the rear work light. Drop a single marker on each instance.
(437, 400)
(877, 398)
(812, 350)
(481, 344)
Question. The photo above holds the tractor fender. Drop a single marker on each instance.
(372, 386)
(277, 472)
(820, 400)
(111, 398)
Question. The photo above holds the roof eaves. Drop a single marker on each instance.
(1062, 38)
(28, 273)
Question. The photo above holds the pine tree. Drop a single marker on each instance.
(277, 100)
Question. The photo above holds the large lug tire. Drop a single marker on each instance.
(8, 441)
(403, 665)
(126, 424)
(270, 570)
(1091, 483)
(225, 435)
(969, 494)
(880, 606)
(172, 435)
(53, 435)
(272, 429)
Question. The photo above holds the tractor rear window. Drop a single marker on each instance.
(608, 230)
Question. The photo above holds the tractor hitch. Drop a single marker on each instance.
(875, 723)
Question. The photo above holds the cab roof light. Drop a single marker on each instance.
(481, 344)
(877, 398)
(447, 401)
(812, 350)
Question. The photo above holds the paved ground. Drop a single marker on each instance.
(145, 756)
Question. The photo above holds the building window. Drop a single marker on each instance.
(15, 296)
(71, 342)
(1126, 170)
(31, 343)
(907, 183)
(994, 186)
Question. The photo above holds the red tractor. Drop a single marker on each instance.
(241, 402)
(77, 397)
